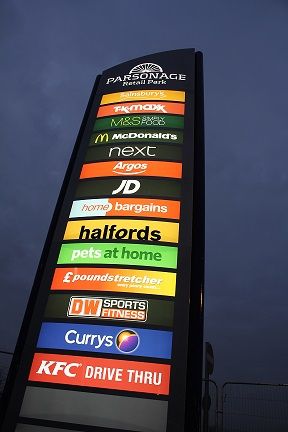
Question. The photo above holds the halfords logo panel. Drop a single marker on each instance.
(118, 254)
(137, 136)
(106, 339)
(146, 74)
(135, 168)
(114, 280)
(118, 229)
(143, 121)
(141, 108)
(144, 95)
(101, 373)
(108, 308)
(126, 207)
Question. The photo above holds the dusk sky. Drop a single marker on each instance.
(51, 52)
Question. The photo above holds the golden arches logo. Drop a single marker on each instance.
(102, 137)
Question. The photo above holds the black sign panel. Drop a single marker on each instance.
(112, 336)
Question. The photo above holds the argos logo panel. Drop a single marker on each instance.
(106, 339)
(126, 207)
(133, 168)
(117, 229)
(115, 280)
(101, 373)
(141, 108)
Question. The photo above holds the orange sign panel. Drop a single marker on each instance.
(132, 168)
(101, 373)
(141, 108)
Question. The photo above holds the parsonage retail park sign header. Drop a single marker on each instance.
(112, 336)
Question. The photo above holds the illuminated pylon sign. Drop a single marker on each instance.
(112, 336)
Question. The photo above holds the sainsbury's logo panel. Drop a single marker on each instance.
(120, 229)
(133, 168)
(106, 339)
(143, 95)
(134, 136)
(143, 121)
(114, 280)
(141, 108)
(115, 309)
(126, 207)
(101, 373)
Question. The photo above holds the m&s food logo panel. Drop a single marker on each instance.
(143, 121)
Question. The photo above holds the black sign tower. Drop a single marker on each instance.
(113, 333)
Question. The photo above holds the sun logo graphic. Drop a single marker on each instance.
(127, 341)
(146, 67)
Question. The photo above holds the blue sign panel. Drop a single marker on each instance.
(106, 339)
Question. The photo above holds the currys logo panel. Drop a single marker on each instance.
(106, 339)
(133, 168)
(101, 373)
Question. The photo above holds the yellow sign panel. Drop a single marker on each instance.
(122, 229)
(140, 95)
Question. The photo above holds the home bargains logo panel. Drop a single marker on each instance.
(114, 280)
(101, 373)
(126, 207)
(106, 339)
